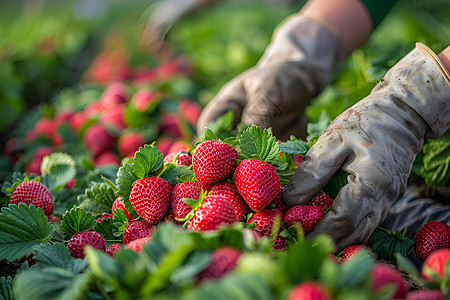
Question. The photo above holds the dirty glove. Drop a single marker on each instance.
(300, 61)
(375, 142)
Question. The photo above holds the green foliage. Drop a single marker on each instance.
(76, 220)
(387, 244)
(294, 146)
(146, 161)
(6, 292)
(337, 181)
(259, 143)
(125, 180)
(175, 174)
(59, 167)
(315, 129)
(436, 161)
(58, 255)
(21, 228)
(221, 128)
(15, 179)
(107, 228)
(98, 199)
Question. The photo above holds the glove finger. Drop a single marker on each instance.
(230, 97)
(320, 164)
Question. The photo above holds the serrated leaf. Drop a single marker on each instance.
(436, 161)
(21, 228)
(6, 292)
(102, 195)
(173, 173)
(294, 147)
(15, 179)
(125, 179)
(222, 127)
(50, 283)
(106, 228)
(259, 143)
(337, 181)
(59, 167)
(386, 243)
(58, 255)
(76, 220)
(147, 160)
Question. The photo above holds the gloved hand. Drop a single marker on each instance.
(300, 61)
(375, 142)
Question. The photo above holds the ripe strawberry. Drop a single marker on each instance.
(257, 182)
(78, 120)
(114, 95)
(213, 212)
(309, 290)
(190, 110)
(191, 190)
(264, 219)
(118, 203)
(129, 142)
(168, 217)
(430, 237)
(213, 161)
(280, 244)
(106, 158)
(383, 274)
(298, 159)
(145, 100)
(183, 158)
(229, 190)
(113, 117)
(137, 230)
(425, 295)
(33, 192)
(138, 245)
(163, 144)
(322, 200)
(350, 251)
(436, 262)
(171, 125)
(307, 215)
(98, 140)
(52, 218)
(179, 146)
(150, 198)
(80, 239)
(104, 216)
(223, 261)
(111, 250)
(279, 203)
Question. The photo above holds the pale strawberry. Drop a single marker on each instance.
(435, 262)
(106, 158)
(229, 189)
(129, 142)
(213, 161)
(33, 192)
(430, 237)
(150, 198)
(118, 203)
(179, 146)
(98, 140)
(264, 220)
(81, 239)
(112, 249)
(113, 117)
(145, 100)
(322, 200)
(257, 182)
(223, 261)
(383, 274)
(137, 230)
(306, 215)
(138, 245)
(214, 212)
(309, 290)
(191, 190)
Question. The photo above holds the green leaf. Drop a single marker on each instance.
(222, 127)
(58, 255)
(59, 167)
(294, 146)
(319, 127)
(120, 222)
(6, 292)
(15, 179)
(76, 220)
(386, 243)
(259, 143)
(408, 266)
(436, 161)
(355, 271)
(107, 228)
(50, 283)
(125, 179)
(147, 160)
(173, 173)
(87, 164)
(21, 228)
(98, 199)
(209, 134)
(335, 184)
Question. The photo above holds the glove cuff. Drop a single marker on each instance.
(313, 46)
(423, 83)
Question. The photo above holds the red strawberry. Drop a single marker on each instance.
(190, 110)
(52, 218)
(168, 217)
(280, 244)
(164, 144)
(179, 146)
(80, 239)
(78, 120)
(213, 161)
(118, 203)
(425, 295)
(322, 200)
(171, 125)
(138, 245)
(430, 237)
(137, 230)
(264, 219)
(309, 290)
(223, 261)
(33, 192)
(145, 100)
(436, 262)
(279, 203)
(229, 189)
(106, 158)
(191, 190)
(150, 198)
(98, 140)
(114, 95)
(104, 216)
(257, 182)
(350, 251)
(213, 212)
(307, 215)
(113, 117)
(111, 250)
(298, 159)
(129, 143)
(183, 159)
(383, 274)
(34, 166)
